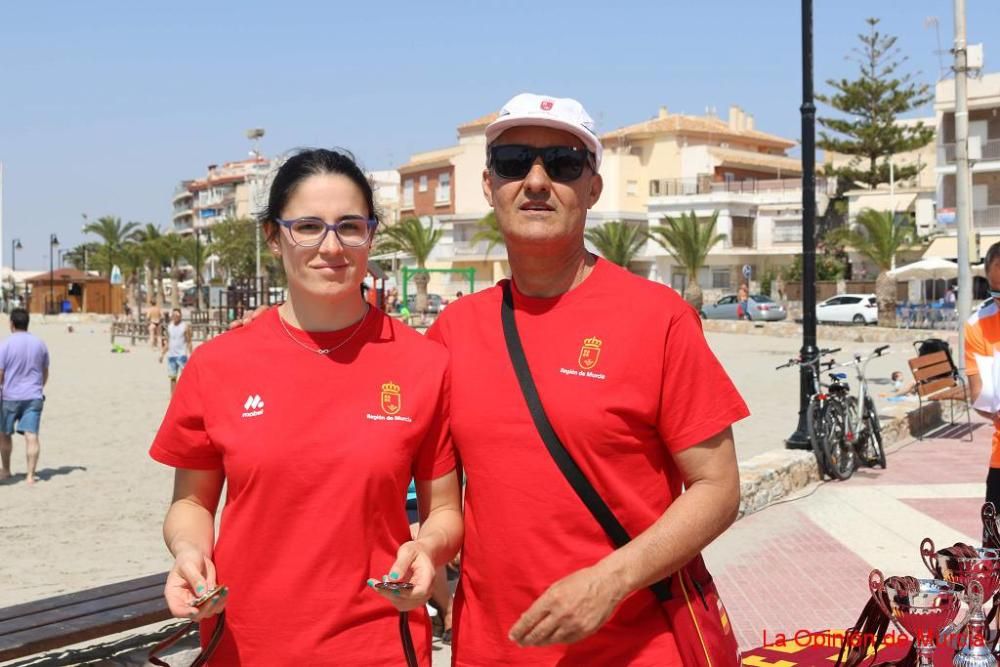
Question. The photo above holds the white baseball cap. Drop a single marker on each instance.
(561, 113)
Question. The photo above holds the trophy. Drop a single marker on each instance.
(991, 529)
(978, 571)
(925, 609)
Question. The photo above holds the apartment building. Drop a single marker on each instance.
(984, 158)
(232, 190)
(677, 163)
(445, 186)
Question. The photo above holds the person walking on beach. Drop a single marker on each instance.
(155, 318)
(24, 370)
(176, 347)
(314, 420)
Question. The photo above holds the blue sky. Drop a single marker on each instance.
(105, 106)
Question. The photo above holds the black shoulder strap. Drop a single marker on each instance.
(569, 468)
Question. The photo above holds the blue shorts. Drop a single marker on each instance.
(27, 414)
(175, 365)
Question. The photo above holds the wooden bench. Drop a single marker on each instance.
(936, 379)
(60, 621)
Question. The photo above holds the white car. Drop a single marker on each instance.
(848, 309)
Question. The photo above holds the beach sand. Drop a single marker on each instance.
(94, 516)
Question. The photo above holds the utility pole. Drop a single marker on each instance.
(800, 438)
(962, 178)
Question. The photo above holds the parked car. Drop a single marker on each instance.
(848, 309)
(760, 308)
(435, 304)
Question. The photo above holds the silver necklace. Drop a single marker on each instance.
(327, 350)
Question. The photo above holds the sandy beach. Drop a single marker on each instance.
(93, 517)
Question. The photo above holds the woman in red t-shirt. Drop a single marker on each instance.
(314, 419)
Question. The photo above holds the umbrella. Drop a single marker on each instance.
(929, 268)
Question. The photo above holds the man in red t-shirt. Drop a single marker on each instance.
(631, 389)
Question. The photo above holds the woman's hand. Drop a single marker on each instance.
(192, 575)
(414, 565)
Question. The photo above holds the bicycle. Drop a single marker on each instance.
(858, 433)
(821, 424)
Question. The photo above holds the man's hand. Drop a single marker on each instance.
(248, 317)
(570, 610)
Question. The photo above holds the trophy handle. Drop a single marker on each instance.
(973, 597)
(991, 533)
(876, 584)
(929, 555)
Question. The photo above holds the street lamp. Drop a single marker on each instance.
(255, 136)
(800, 438)
(53, 242)
(15, 245)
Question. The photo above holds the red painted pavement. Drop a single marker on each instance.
(784, 573)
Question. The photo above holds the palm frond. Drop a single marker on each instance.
(617, 241)
(688, 239)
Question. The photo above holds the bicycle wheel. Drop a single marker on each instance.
(815, 423)
(871, 451)
(839, 453)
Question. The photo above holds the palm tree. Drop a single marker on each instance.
(176, 248)
(618, 242)
(879, 237)
(488, 229)
(114, 234)
(134, 259)
(150, 250)
(411, 237)
(688, 240)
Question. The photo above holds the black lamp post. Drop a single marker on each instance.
(53, 242)
(800, 438)
(197, 268)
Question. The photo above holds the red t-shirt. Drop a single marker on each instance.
(626, 378)
(318, 452)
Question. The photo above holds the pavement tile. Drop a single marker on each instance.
(778, 570)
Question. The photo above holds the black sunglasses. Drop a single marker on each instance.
(562, 163)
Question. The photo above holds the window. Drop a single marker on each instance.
(442, 195)
(720, 279)
(679, 281)
(408, 192)
(423, 183)
(631, 187)
(727, 300)
(742, 236)
(654, 188)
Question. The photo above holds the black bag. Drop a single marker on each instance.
(932, 345)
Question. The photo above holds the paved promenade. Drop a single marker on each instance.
(804, 564)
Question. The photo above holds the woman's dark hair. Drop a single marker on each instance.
(311, 162)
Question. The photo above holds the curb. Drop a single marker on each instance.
(856, 334)
(778, 474)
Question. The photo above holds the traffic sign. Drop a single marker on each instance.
(747, 271)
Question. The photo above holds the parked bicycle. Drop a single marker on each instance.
(821, 423)
(857, 433)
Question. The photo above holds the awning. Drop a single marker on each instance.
(947, 246)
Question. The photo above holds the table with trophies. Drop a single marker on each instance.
(916, 621)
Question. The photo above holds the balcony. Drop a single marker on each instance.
(988, 217)
(464, 248)
(991, 151)
(703, 186)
